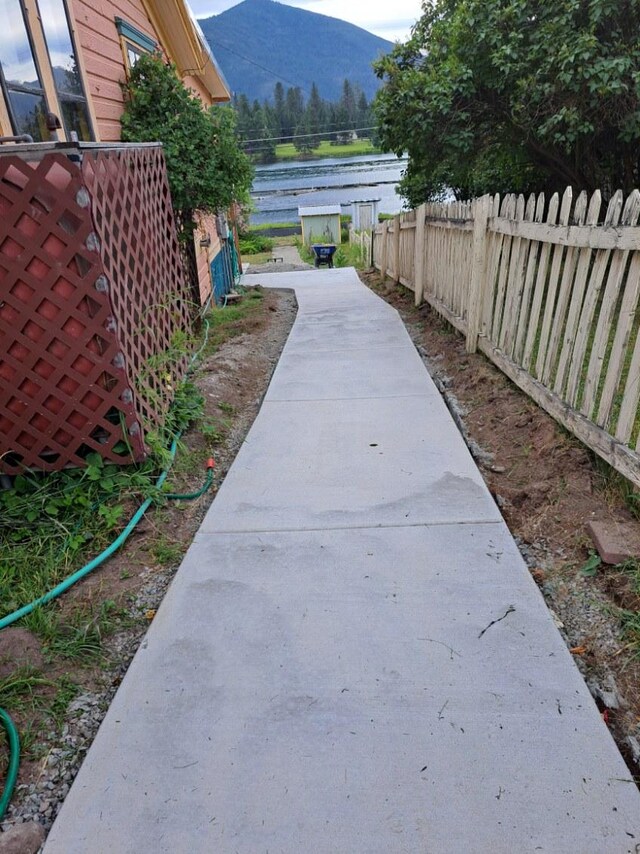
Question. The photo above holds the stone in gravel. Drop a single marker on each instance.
(616, 542)
(18, 648)
(22, 839)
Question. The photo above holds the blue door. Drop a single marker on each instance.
(222, 272)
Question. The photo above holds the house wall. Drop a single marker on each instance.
(198, 89)
(101, 54)
(205, 255)
(100, 48)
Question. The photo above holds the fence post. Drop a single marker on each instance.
(384, 249)
(418, 257)
(477, 284)
(396, 249)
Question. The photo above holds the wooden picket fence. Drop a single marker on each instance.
(364, 241)
(548, 290)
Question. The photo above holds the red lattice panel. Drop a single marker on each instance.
(134, 220)
(92, 300)
(61, 392)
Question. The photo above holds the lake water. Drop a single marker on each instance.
(280, 188)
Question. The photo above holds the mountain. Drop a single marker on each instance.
(259, 42)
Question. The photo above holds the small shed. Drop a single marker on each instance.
(320, 224)
(364, 214)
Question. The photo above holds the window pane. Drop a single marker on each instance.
(76, 118)
(133, 54)
(63, 59)
(29, 114)
(16, 57)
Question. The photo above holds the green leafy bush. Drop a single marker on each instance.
(253, 244)
(207, 169)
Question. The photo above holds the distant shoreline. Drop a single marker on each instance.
(287, 151)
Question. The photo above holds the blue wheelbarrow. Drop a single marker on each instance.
(323, 253)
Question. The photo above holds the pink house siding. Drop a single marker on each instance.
(102, 58)
(205, 255)
(101, 53)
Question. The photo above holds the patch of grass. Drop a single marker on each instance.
(66, 691)
(257, 259)
(226, 407)
(630, 621)
(213, 431)
(632, 568)
(265, 226)
(80, 635)
(614, 487)
(252, 244)
(32, 698)
(167, 552)
(287, 150)
(51, 524)
(21, 688)
(229, 321)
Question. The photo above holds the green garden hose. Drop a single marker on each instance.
(14, 761)
(59, 589)
(191, 496)
(64, 585)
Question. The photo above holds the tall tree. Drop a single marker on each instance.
(514, 95)
(278, 105)
(348, 102)
(294, 109)
(363, 112)
(315, 112)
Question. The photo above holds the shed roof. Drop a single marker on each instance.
(323, 210)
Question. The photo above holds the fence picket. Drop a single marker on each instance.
(525, 303)
(508, 210)
(564, 294)
(538, 295)
(625, 318)
(495, 245)
(577, 297)
(552, 286)
(418, 257)
(603, 327)
(592, 296)
(516, 276)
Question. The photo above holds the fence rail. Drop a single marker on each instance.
(548, 290)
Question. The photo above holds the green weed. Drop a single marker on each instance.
(166, 552)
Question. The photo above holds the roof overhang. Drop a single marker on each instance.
(186, 45)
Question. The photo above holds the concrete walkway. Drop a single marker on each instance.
(353, 658)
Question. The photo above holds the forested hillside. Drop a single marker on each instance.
(259, 43)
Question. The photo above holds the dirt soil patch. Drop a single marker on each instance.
(125, 592)
(548, 486)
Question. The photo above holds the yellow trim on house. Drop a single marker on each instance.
(186, 46)
(5, 121)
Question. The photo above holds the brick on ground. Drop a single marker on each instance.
(615, 542)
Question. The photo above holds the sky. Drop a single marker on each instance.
(389, 20)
